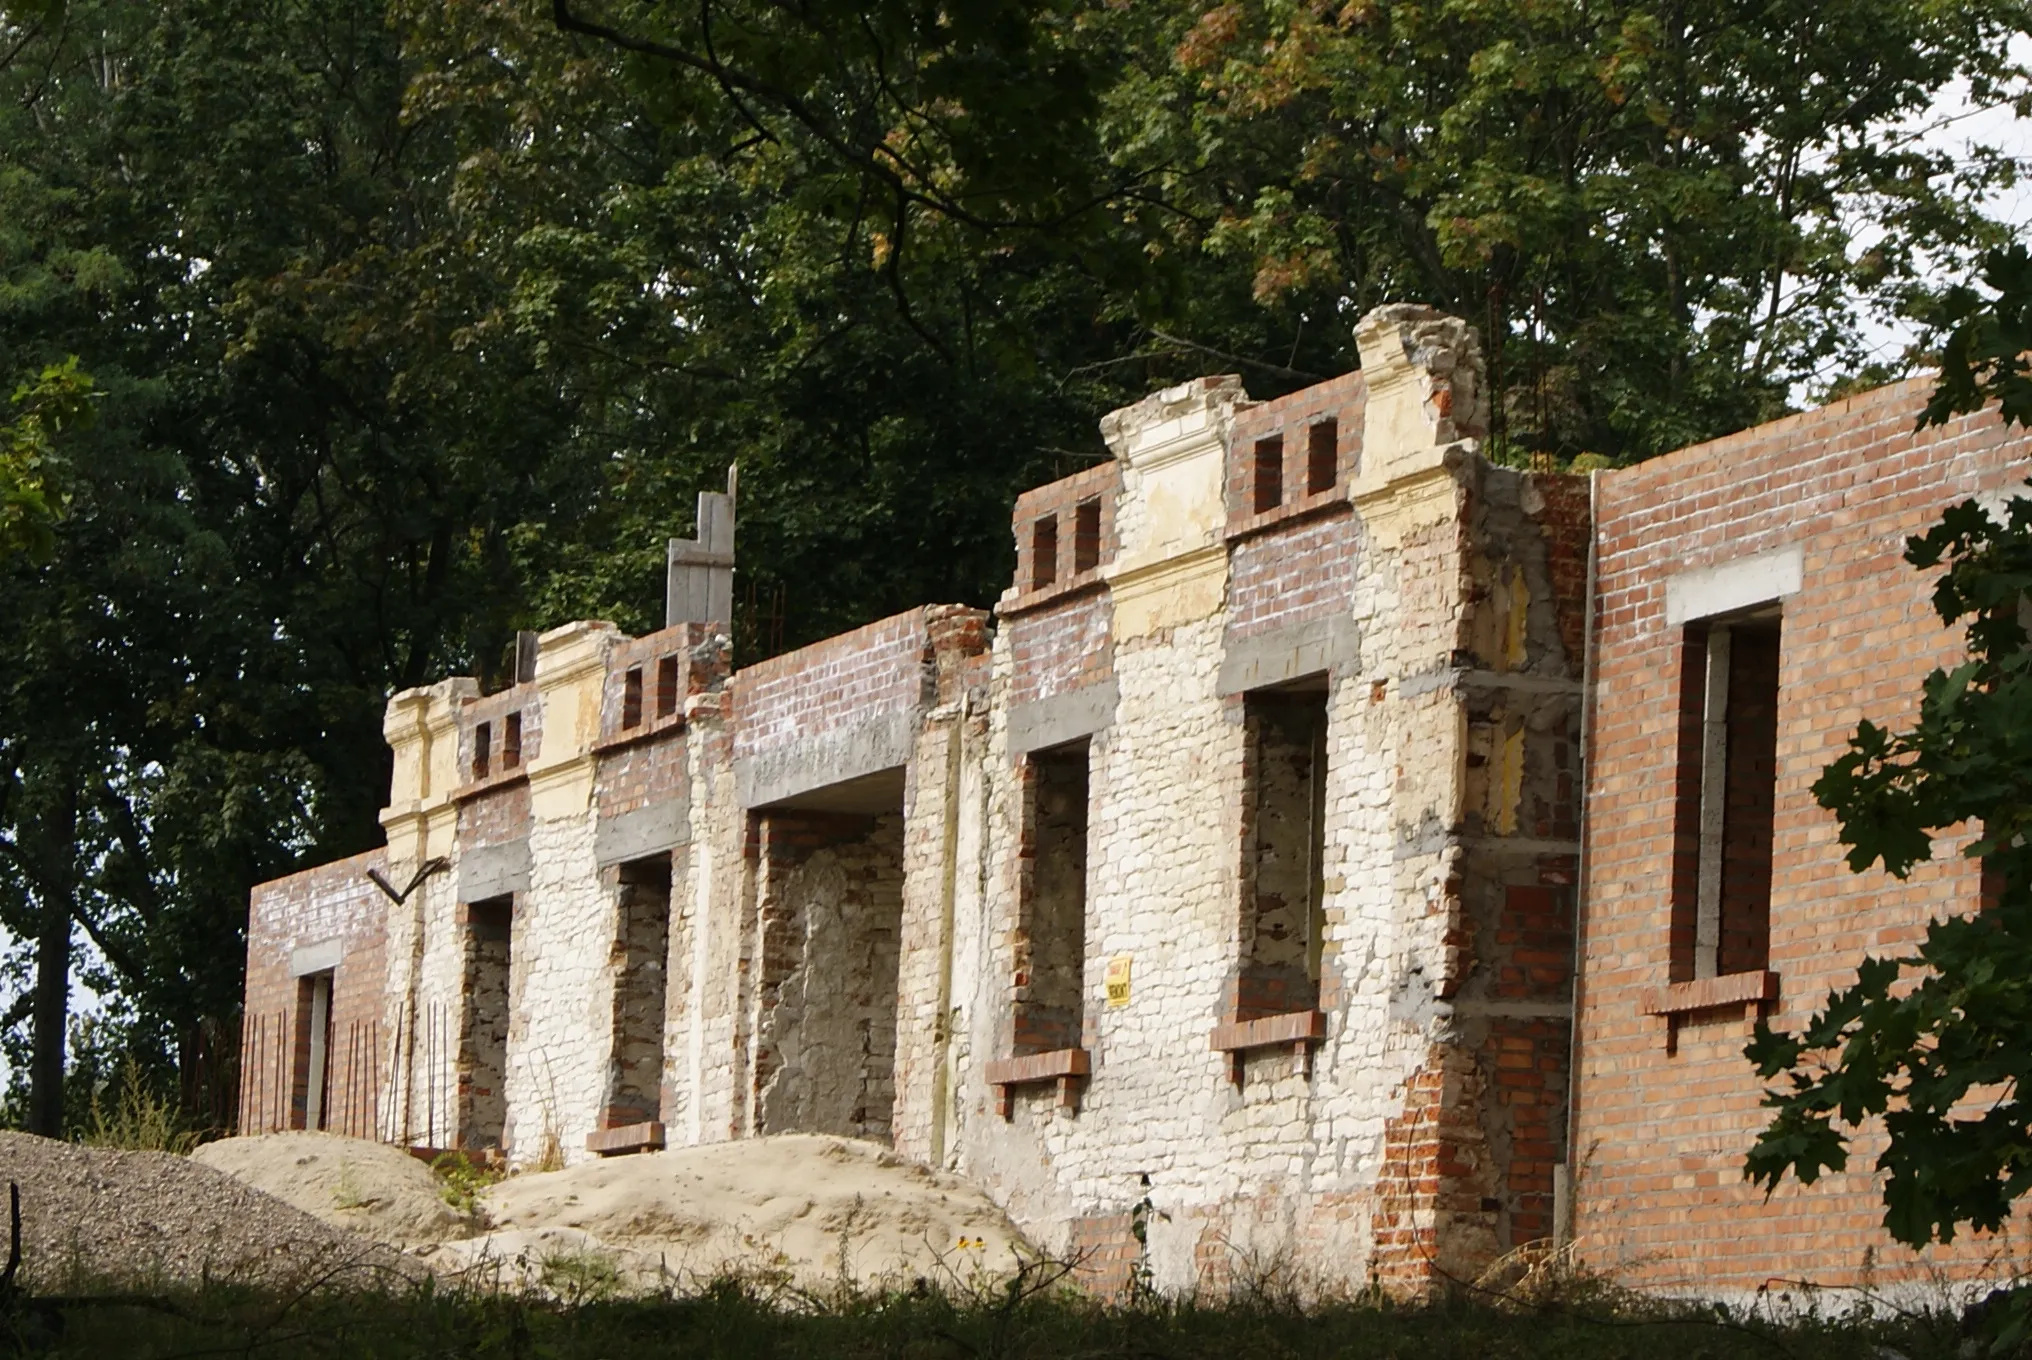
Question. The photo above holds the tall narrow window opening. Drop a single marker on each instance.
(1086, 535)
(1284, 844)
(1322, 456)
(483, 755)
(666, 686)
(1269, 469)
(482, 1061)
(1727, 796)
(1043, 552)
(635, 1083)
(511, 741)
(1051, 944)
(314, 1046)
(631, 697)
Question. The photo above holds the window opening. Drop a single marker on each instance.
(314, 1039)
(1284, 852)
(1086, 535)
(1727, 796)
(831, 909)
(511, 741)
(1322, 456)
(666, 687)
(1051, 945)
(1044, 552)
(483, 1024)
(482, 756)
(1269, 473)
(631, 697)
(635, 1083)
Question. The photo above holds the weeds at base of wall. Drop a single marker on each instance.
(1033, 1314)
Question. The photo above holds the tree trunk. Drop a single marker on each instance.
(51, 1016)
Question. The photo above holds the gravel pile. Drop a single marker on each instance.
(93, 1218)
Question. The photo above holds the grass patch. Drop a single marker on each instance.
(735, 1320)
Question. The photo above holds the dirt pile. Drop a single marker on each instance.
(92, 1217)
(378, 1191)
(806, 1211)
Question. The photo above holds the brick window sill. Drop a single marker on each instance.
(1088, 582)
(518, 774)
(643, 731)
(1066, 1067)
(1298, 1031)
(626, 1139)
(1703, 994)
(1248, 524)
(1677, 1003)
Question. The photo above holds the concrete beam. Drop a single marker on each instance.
(883, 742)
(1286, 653)
(321, 957)
(644, 832)
(494, 871)
(1712, 591)
(1045, 723)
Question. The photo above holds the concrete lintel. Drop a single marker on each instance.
(321, 957)
(1061, 718)
(883, 742)
(494, 870)
(643, 832)
(1286, 653)
(1710, 591)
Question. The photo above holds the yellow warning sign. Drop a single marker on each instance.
(1118, 980)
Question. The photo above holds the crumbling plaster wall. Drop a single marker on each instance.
(1381, 1156)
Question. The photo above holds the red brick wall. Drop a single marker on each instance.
(1294, 570)
(494, 710)
(331, 902)
(1064, 646)
(1343, 399)
(1660, 1137)
(882, 667)
(642, 772)
(697, 666)
(1104, 1253)
(496, 814)
(1060, 500)
(646, 763)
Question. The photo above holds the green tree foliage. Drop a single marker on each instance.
(1655, 212)
(412, 324)
(1938, 1043)
(1985, 356)
(30, 497)
(301, 493)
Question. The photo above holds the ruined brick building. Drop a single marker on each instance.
(1241, 859)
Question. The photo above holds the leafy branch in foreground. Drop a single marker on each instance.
(1985, 357)
(1938, 1043)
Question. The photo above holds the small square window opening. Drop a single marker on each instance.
(1269, 466)
(1322, 456)
(1086, 535)
(1044, 552)
(631, 698)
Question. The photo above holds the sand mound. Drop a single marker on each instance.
(798, 1209)
(378, 1191)
(94, 1216)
